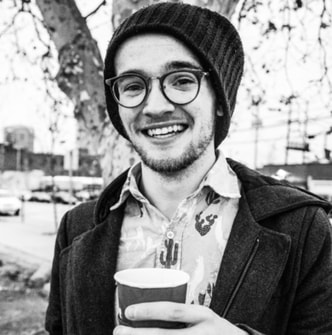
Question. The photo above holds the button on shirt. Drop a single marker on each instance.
(195, 238)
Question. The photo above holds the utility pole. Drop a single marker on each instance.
(305, 131)
(256, 124)
(289, 122)
(18, 158)
(327, 152)
(2, 157)
(70, 173)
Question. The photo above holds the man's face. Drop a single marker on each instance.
(168, 137)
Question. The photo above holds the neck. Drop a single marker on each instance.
(167, 191)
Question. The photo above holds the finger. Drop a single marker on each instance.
(169, 311)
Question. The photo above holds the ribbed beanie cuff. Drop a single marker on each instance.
(210, 36)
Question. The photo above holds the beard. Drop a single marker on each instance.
(171, 166)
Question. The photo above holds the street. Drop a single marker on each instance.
(37, 215)
(31, 235)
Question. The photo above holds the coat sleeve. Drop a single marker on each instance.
(53, 321)
(312, 309)
(74, 223)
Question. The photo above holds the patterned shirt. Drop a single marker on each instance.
(193, 240)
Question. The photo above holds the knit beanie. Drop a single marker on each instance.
(209, 35)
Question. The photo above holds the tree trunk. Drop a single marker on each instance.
(80, 75)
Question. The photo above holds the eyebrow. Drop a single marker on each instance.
(169, 66)
(175, 65)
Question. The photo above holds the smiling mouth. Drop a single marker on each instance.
(167, 131)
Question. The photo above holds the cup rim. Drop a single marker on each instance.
(125, 277)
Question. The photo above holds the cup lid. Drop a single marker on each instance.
(151, 277)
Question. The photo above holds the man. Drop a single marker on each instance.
(258, 251)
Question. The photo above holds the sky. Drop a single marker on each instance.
(22, 98)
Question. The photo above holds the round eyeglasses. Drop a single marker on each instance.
(179, 87)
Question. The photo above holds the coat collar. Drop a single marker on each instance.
(109, 197)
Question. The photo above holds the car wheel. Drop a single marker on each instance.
(17, 213)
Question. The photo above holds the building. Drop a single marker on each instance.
(315, 177)
(20, 137)
(12, 159)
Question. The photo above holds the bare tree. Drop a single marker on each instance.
(80, 64)
(288, 78)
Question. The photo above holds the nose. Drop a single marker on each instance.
(156, 103)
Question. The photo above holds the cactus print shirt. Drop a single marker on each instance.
(194, 239)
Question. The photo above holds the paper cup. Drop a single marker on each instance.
(148, 285)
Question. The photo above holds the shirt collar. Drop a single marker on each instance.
(221, 178)
(130, 187)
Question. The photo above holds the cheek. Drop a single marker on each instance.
(207, 114)
(208, 104)
(126, 117)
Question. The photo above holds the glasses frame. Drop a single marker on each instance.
(199, 74)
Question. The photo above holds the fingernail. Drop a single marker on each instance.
(130, 312)
(117, 331)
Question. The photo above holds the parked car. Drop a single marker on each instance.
(9, 203)
(83, 195)
(64, 197)
(25, 195)
(40, 196)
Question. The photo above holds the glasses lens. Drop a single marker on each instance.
(181, 87)
(129, 90)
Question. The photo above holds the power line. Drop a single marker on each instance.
(247, 141)
(285, 123)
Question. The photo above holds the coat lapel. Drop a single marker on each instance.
(251, 268)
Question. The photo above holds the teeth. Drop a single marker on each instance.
(165, 130)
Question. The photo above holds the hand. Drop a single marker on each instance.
(200, 320)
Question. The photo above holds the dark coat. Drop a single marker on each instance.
(275, 276)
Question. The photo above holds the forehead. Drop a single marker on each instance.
(152, 53)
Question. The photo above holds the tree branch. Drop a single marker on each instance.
(10, 24)
(103, 3)
(322, 26)
(36, 19)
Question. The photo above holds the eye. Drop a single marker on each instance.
(133, 87)
(181, 81)
(130, 85)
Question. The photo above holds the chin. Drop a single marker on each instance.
(170, 165)
(167, 166)
(173, 160)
